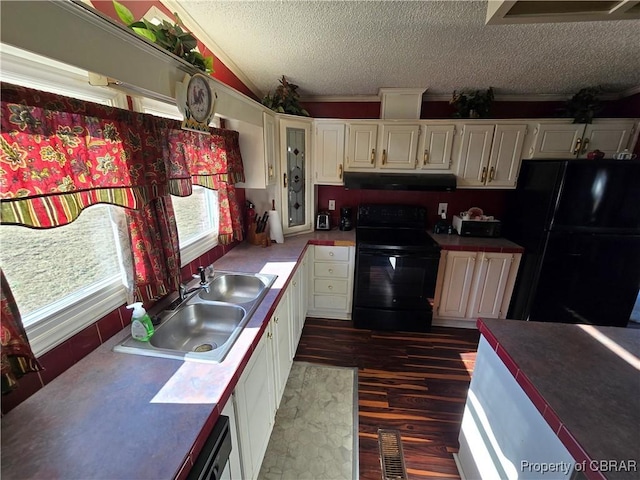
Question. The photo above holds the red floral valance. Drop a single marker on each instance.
(59, 155)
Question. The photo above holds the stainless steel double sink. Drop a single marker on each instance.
(206, 324)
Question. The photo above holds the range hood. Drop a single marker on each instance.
(400, 181)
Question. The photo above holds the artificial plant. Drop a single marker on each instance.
(285, 99)
(170, 37)
(584, 105)
(473, 104)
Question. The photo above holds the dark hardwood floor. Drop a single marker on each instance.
(413, 382)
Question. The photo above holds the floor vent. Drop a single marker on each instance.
(391, 456)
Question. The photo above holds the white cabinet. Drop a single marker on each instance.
(561, 139)
(609, 138)
(281, 347)
(490, 155)
(456, 284)
(332, 282)
(295, 182)
(329, 153)
(229, 410)
(436, 146)
(258, 147)
(299, 301)
(399, 146)
(254, 404)
(270, 148)
(361, 147)
(475, 284)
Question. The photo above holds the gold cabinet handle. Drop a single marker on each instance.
(426, 157)
(285, 179)
(492, 174)
(373, 156)
(585, 144)
(331, 254)
(576, 149)
(269, 335)
(270, 171)
(295, 284)
(483, 177)
(275, 320)
(331, 270)
(340, 171)
(384, 157)
(330, 287)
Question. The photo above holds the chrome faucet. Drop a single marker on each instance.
(202, 285)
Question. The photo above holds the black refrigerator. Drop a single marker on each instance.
(579, 223)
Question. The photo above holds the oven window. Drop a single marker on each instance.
(395, 281)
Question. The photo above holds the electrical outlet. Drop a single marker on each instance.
(442, 208)
(332, 204)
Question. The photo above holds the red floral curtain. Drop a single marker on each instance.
(154, 238)
(16, 354)
(59, 155)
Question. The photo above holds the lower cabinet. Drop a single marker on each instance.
(257, 395)
(331, 277)
(254, 408)
(475, 284)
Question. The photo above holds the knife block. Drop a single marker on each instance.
(261, 238)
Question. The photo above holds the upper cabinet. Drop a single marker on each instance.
(490, 155)
(560, 139)
(295, 182)
(329, 153)
(361, 147)
(258, 146)
(399, 146)
(436, 147)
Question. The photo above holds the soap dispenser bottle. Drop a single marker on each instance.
(141, 326)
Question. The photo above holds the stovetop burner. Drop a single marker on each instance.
(401, 227)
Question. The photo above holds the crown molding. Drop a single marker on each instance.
(340, 98)
(193, 26)
(631, 91)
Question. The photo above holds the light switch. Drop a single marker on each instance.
(332, 204)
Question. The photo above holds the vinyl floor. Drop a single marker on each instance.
(413, 382)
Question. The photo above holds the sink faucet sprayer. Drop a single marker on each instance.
(203, 284)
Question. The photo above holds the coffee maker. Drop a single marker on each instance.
(345, 218)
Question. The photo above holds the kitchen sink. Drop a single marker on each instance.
(206, 325)
(235, 288)
(198, 328)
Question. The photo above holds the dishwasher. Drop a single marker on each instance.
(213, 461)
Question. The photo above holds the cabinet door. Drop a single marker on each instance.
(473, 167)
(297, 216)
(556, 140)
(361, 152)
(399, 146)
(436, 145)
(281, 324)
(329, 153)
(297, 315)
(456, 287)
(255, 408)
(608, 137)
(489, 285)
(506, 155)
(270, 148)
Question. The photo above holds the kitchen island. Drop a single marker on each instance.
(550, 400)
(122, 416)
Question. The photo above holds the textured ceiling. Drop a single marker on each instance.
(356, 47)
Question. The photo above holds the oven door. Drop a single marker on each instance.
(394, 289)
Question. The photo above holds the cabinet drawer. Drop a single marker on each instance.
(330, 302)
(333, 270)
(330, 286)
(331, 254)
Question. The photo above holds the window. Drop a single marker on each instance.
(197, 214)
(67, 277)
